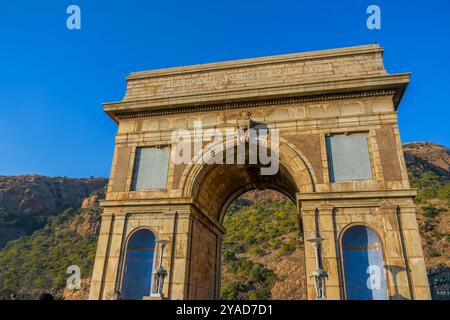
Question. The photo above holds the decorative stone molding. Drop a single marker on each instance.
(252, 104)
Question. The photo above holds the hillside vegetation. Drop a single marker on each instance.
(257, 234)
(38, 263)
(429, 172)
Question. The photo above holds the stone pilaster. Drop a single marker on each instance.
(309, 230)
(413, 252)
(396, 268)
(327, 231)
(101, 257)
(178, 272)
(113, 265)
(318, 221)
(107, 261)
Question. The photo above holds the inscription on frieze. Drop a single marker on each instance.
(248, 75)
(209, 79)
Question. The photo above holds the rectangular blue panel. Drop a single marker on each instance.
(150, 168)
(348, 157)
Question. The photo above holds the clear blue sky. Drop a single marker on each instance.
(53, 81)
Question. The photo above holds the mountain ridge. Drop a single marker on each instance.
(27, 201)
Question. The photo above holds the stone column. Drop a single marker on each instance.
(397, 272)
(414, 253)
(405, 265)
(178, 273)
(330, 260)
(101, 256)
(309, 229)
(322, 225)
(112, 266)
(106, 266)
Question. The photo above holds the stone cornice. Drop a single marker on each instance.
(152, 202)
(323, 196)
(252, 62)
(305, 92)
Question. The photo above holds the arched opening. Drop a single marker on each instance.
(222, 184)
(213, 188)
(362, 255)
(138, 267)
(262, 249)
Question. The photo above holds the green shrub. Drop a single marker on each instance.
(258, 295)
(259, 274)
(258, 251)
(232, 290)
(436, 234)
(287, 248)
(428, 183)
(444, 194)
(434, 254)
(431, 212)
(228, 255)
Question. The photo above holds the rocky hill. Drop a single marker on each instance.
(429, 171)
(262, 250)
(428, 156)
(27, 201)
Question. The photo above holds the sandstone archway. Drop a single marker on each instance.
(340, 154)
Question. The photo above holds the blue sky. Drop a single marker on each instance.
(53, 80)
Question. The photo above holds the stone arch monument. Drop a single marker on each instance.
(334, 113)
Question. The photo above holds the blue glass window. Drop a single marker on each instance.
(138, 269)
(363, 265)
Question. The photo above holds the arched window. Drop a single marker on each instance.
(137, 274)
(363, 265)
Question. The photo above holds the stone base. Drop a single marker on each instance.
(154, 298)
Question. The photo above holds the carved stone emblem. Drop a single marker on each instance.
(243, 124)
